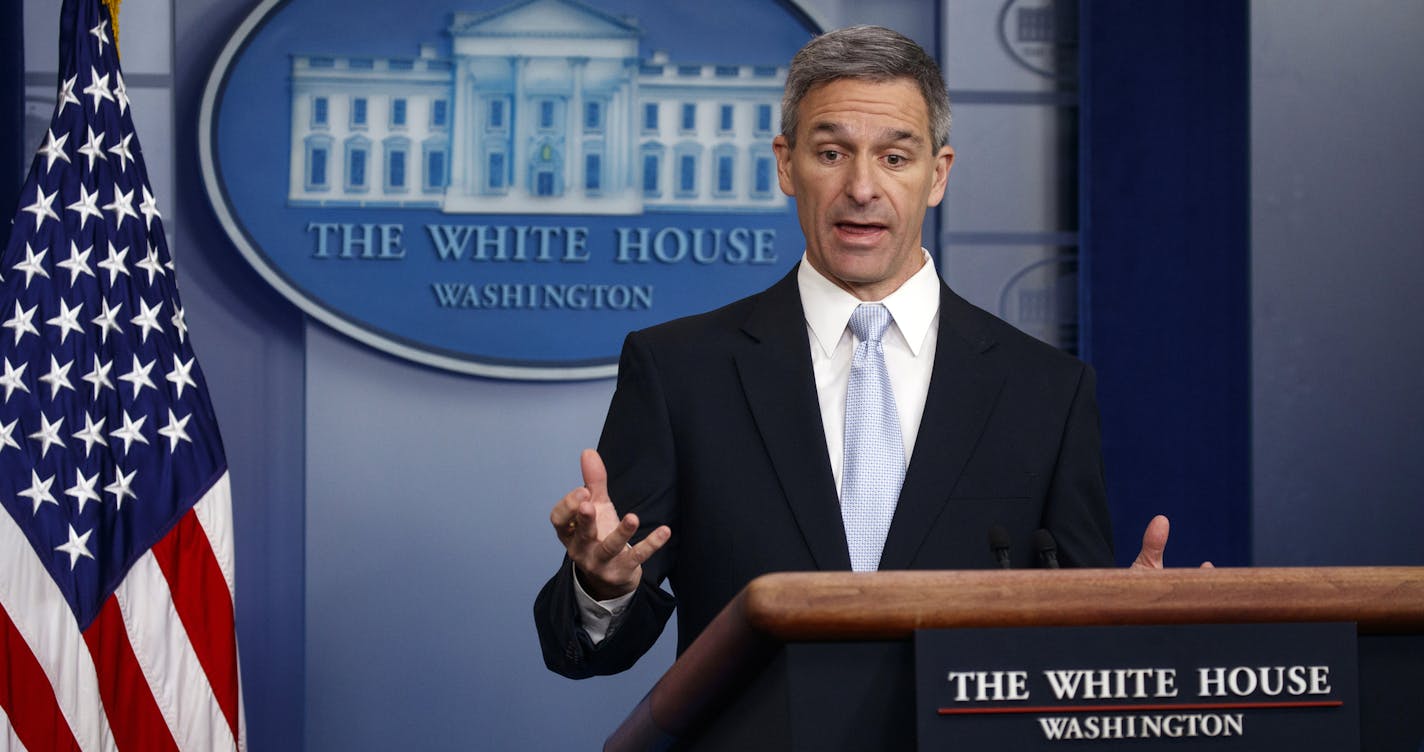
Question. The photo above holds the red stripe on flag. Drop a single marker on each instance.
(133, 714)
(204, 606)
(27, 696)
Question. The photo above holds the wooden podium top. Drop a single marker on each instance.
(822, 606)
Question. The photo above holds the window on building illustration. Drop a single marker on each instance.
(761, 182)
(397, 164)
(316, 168)
(689, 117)
(593, 116)
(357, 158)
(686, 175)
(395, 170)
(650, 116)
(358, 112)
(724, 122)
(593, 173)
(496, 114)
(724, 173)
(434, 169)
(763, 124)
(319, 112)
(546, 114)
(439, 113)
(318, 159)
(652, 166)
(494, 175)
(398, 111)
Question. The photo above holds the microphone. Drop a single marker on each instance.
(1047, 549)
(999, 543)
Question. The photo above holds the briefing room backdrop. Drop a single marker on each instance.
(1214, 202)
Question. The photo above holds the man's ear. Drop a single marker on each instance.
(782, 148)
(944, 159)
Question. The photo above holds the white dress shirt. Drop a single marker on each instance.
(909, 345)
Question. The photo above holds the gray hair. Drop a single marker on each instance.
(869, 53)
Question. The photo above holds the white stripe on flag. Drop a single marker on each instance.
(171, 667)
(43, 618)
(214, 511)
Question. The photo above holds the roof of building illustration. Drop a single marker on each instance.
(544, 18)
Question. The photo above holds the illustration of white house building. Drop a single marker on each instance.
(544, 107)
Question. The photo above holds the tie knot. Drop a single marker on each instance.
(869, 321)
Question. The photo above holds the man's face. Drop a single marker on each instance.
(863, 172)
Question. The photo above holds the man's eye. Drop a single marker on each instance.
(830, 156)
(895, 160)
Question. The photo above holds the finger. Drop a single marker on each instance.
(616, 542)
(564, 514)
(586, 521)
(650, 545)
(595, 475)
(1154, 544)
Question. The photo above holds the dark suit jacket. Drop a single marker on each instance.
(715, 430)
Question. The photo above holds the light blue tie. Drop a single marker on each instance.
(874, 466)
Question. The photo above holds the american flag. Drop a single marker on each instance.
(116, 553)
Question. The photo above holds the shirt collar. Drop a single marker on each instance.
(913, 306)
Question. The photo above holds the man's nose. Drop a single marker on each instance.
(862, 185)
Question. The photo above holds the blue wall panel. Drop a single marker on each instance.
(1165, 224)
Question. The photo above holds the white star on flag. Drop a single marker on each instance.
(174, 430)
(114, 263)
(121, 488)
(131, 431)
(122, 151)
(108, 318)
(83, 489)
(53, 149)
(78, 262)
(87, 205)
(22, 322)
(38, 492)
(93, 433)
(14, 378)
(77, 546)
(42, 207)
(93, 147)
(57, 378)
(98, 88)
(48, 435)
(32, 265)
(99, 377)
(68, 320)
(122, 206)
(7, 435)
(138, 376)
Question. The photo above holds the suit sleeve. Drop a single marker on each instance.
(1077, 510)
(638, 451)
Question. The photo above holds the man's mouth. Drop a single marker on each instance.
(851, 230)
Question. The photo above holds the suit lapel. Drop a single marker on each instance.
(957, 407)
(780, 386)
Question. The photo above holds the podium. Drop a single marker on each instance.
(825, 660)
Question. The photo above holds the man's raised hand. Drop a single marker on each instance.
(597, 540)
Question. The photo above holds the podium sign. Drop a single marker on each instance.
(1258, 687)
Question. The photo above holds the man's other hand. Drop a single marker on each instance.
(1154, 545)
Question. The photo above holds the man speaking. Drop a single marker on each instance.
(857, 415)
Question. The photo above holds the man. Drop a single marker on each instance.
(787, 431)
